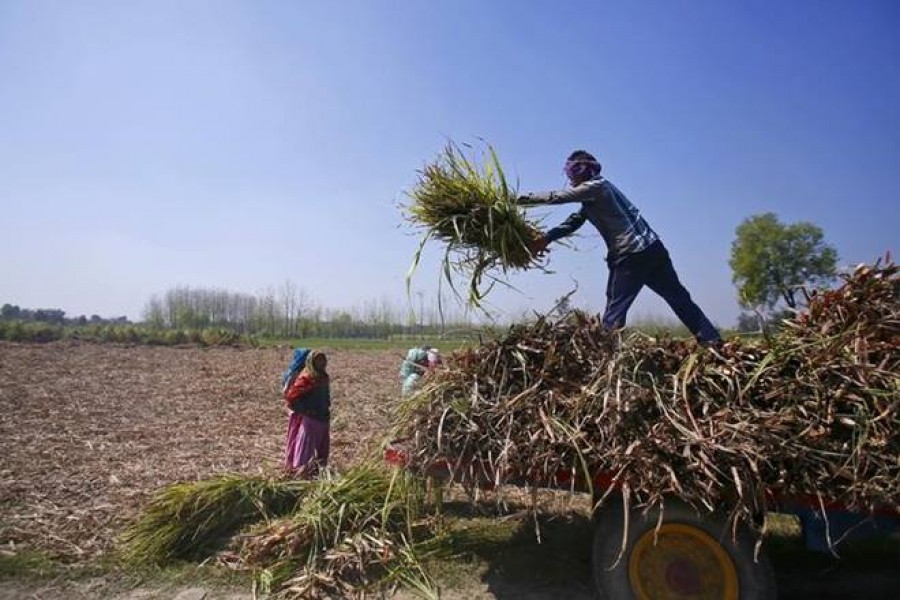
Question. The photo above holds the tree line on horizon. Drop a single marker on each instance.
(770, 261)
(214, 316)
(290, 313)
(55, 316)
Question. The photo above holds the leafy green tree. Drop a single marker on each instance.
(10, 311)
(50, 315)
(771, 261)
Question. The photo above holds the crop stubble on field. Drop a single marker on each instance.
(90, 431)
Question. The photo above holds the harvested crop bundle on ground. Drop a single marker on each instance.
(191, 520)
(352, 534)
(342, 535)
(815, 411)
(468, 204)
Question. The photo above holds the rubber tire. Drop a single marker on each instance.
(756, 579)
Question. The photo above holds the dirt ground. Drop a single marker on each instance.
(88, 432)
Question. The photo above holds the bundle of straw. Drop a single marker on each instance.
(816, 411)
(337, 536)
(191, 520)
(472, 209)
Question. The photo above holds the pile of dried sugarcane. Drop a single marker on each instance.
(814, 410)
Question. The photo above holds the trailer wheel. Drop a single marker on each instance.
(689, 556)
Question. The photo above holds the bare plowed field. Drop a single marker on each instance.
(88, 432)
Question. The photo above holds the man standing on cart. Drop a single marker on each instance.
(636, 258)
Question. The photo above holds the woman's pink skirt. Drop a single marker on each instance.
(306, 445)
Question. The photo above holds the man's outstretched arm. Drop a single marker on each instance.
(586, 192)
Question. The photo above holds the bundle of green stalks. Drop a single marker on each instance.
(193, 520)
(471, 208)
(353, 534)
(814, 411)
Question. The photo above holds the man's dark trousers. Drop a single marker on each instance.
(652, 267)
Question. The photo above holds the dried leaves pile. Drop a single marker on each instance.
(813, 411)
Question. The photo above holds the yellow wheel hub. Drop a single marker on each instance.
(680, 561)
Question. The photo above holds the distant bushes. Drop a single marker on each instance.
(21, 331)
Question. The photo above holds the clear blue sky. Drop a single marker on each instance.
(237, 145)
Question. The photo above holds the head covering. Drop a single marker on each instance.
(434, 358)
(310, 367)
(298, 361)
(581, 166)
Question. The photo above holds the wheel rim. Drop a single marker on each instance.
(681, 561)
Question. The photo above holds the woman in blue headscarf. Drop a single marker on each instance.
(308, 397)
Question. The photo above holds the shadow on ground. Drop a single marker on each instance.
(867, 569)
(517, 565)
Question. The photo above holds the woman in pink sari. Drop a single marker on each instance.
(309, 399)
